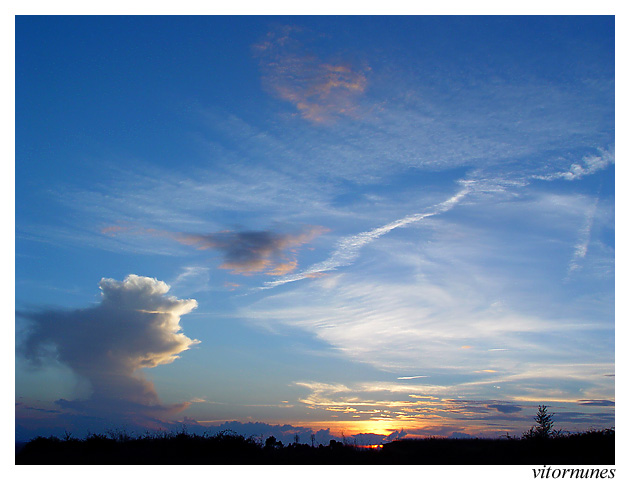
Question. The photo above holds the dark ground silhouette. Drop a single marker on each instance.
(229, 448)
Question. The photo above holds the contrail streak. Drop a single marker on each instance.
(348, 248)
(584, 239)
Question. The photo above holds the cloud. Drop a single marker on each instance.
(597, 420)
(253, 251)
(416, 322)
(581, 248)
(348, 248)
(597, 403)
(135, 326)
(192, 279)
(589, 165)
(402, 324)
(231, 285)
(246, 252)
(506, 408)
(320, 90)
(379, 405)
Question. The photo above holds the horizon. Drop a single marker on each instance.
(351, 225)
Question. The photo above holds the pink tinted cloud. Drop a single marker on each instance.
(320, 90)
(244, 252)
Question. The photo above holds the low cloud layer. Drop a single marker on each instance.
(597, 403)
(135, 326)
(506, 408)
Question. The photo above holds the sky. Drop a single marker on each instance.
(379, 227)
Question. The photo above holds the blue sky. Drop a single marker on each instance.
(361, 224)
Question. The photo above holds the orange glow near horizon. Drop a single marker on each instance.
(340, 428)
(352, 427)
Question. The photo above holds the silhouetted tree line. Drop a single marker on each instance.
(541, 444)
(229, 448)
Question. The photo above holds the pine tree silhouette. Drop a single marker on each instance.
(544, 424)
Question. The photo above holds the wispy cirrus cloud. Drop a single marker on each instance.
(320, 90)
(401, 325)
(192, 279)
(478, 183)
(525, 126)
(456, 289)
(588, 165)
(581, 247)
(348, 248)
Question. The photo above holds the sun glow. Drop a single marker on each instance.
(350, 427)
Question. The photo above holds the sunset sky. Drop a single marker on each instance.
(402, 226)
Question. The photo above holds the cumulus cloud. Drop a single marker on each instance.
(135, 326)
(320, 90)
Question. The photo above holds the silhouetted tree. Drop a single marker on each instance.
(271, 442)
(544, 424)
(334, 444)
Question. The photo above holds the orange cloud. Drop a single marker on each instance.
(321, 91)
(283, 268)
(316, 275)
(254, 251)
(245, 252)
